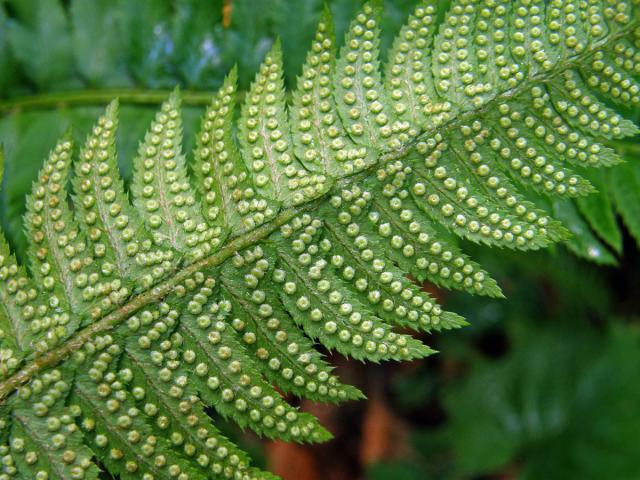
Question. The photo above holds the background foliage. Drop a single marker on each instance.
(541, 386)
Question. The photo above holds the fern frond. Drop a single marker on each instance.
(307, 228)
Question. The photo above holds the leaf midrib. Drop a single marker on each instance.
(55, 356)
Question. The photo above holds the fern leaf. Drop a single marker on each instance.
(230, 199)
(173, 406)
(265, 134)
(312, 292)
(44, 435)
(234, 384)
(317, 226)
(15, 291)
(455, 63)
(112, 225)
(585, 112)
(162, 192)
(289, 358)
(360, 98)
(408, 73)
(321, 141)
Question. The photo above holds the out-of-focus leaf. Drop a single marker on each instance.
(599, 212)
(199, 43)
(412, 390)
(7, 65)
(562, 405)
(152, 47)
(41, 41)
(99, 38)
(583, 242)
(625, 181)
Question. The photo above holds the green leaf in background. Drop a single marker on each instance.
(151, 50)
(524, 394)
(199, 44)
(7, 64)
(41, 41)
(562, 405)
(99, 38)
(584, 242)
(598, 210)
(24, 138)
(625, 181)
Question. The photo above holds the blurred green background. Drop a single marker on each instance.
(542, 385)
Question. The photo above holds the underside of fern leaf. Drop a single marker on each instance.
(311, 223)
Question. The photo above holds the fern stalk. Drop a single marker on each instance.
(100, 97)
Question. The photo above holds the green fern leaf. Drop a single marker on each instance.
(162, 192)
(310, 224)
(265, 133)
